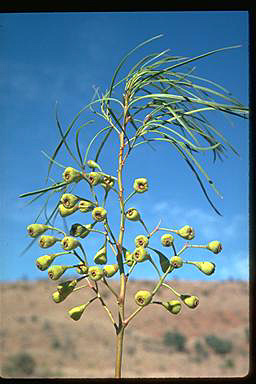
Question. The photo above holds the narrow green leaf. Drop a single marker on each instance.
(163, 260)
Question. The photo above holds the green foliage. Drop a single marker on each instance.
(175, 340)
(219, 345)
(20, 364)
(201, 352)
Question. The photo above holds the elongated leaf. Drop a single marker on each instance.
(163, 260)
(55, 186)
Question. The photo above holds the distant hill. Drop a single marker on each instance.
(38, 339)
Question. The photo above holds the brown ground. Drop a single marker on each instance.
(31, 322)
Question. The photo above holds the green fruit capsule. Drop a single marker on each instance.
(85, 206)
(140, 185)
(190, 301)
(143, 298)
(64, 212)
(56, 271)
(141, 241)
(67, 287)
(99, 214)
(82, 269)
(101, 256)
(36, 229)
(95, 178)
(173, 306)
(58, 297)
(206, 267)
(43, 262)
(76, 312)
(132, 214)
(92, 164)
(186, 232)
(69, 200)
(215, 246)
(110, 270)
(140, 254)
(47, 241)
(167, 240)
(129, 258)
(95, 273)
(176, 261)
(71, 175)
(69, 243)
(108, 182)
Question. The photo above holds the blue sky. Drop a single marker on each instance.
(49, 57)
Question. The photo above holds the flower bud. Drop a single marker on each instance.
(215, 246)
(101, 256)
(205, 266)
(140, 185)
(79, 230)
(64, 212)
(108, 182)
(129, 258)
(86, 231)
(99, 214)
(58, 297)
(85, 206)
(173, 306)
(132, 214)
(47, 241)
(140, 254)
(82, 269)
(68, 243)
(76, 312)
(43, 262)
(176, 261)
(92, 164)
(95, 273)
(70, 174)
(143, 298)
(167, 240)
(190, 301)
(56, 271)
(67, 287)
(186, 232)
(110, 270)
(141, 241)
(36, 229)
(95, 178)
(69, 200)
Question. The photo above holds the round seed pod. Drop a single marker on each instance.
(108, 182)
(129, 258)
(215, 246)
(68, 243)
(95, 178)
(173, 306)
(82, 269)
(67, 287)
(56, 271)
(132, 214)
(190, 301)
(95, 273)
(110, 270)
(36, 229)
(206, 267)
(141, 241)
(176, 261)
(87, 229)
(143, 298)
(71, 175)
(58, 297)
(85, 206)
(101, 256)
(167, 240)
(140, 185)
(46, 241)
(76, 312)
(64, 212)
(186, 232)
(69, 200)
(99, 214)
(140, 254)
(43, 262)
